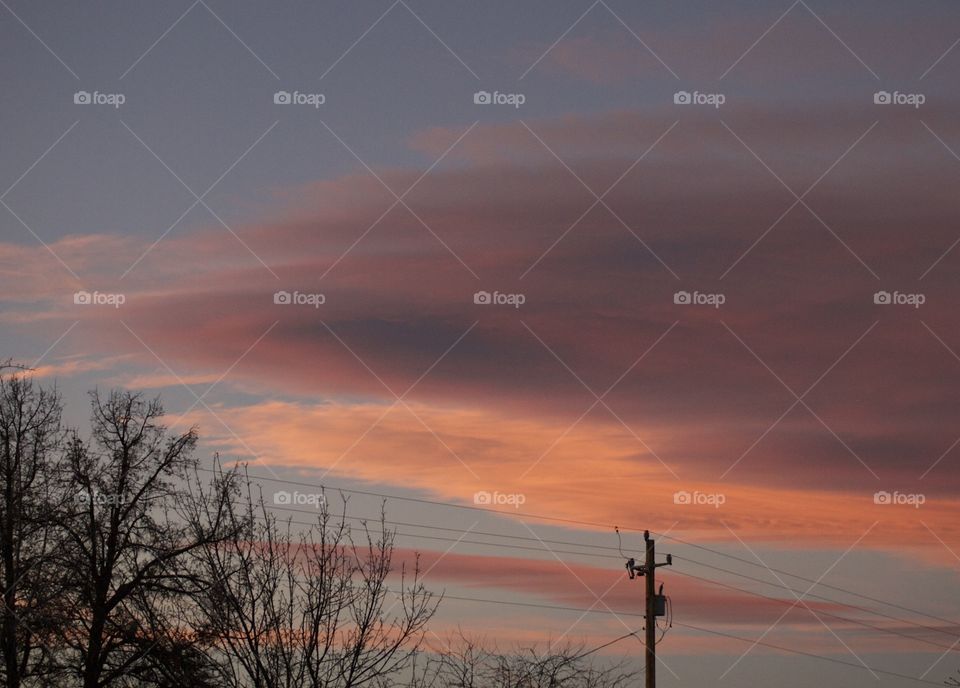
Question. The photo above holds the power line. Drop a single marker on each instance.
(743, 560)
(700, 629)
(822, 597)
(473, 532)
(595, 524)
(813, 655)
(555, 607)
(451, 539)
(689, 626)
(777, 585)
(846, 619)
(433, 502)
(632, 634)
(689, 575)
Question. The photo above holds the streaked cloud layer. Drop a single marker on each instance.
(799, 200)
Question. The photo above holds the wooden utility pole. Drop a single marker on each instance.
(650, 620)
(655, 603)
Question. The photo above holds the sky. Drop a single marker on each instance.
(533, 270)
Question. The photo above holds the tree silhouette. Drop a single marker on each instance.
(30, 437)
(310, 608)
(134, 524)
(121, 567)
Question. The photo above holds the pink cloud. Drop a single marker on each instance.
(700, 399)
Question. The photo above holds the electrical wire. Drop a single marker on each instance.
(743, 560)
(632, 634)
(681, 573)
(817, 612)
(430, 502)
(594, 524)
(710, 631)
(471, 531)
(813, 655)
(804, 593)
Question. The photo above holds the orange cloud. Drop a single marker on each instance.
(597, 471)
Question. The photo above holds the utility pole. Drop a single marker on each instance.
(655, 603)
(650, 620)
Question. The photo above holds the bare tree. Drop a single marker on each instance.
(30, 435)
(310, 608)
(121, 567)
(464, 662)
(134, 523)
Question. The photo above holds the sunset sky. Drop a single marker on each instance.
(789, 201)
